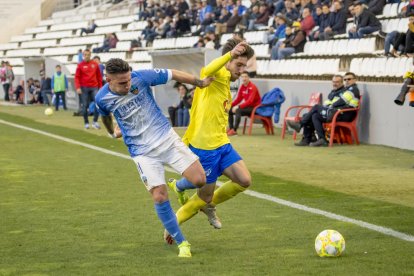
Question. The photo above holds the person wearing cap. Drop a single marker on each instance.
(366, 22)
(294, 43)
(280, 32)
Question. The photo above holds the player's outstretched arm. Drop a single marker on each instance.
(184, 77)
(219, 62)
(113, 132)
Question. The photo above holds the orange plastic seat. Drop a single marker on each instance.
(343, 132)
(315, 98)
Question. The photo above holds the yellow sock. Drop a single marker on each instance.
(226, 191)
(189, 209)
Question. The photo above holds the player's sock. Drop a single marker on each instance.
(169, 220)
(226, 191)
(189, 209)
(183, 184)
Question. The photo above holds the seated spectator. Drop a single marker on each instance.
(322, 18)
(340, 97)
(261, 20)
(290, 11)
(280, 33)
(135, 44)
(221, 23)
(376, 6)
(19, 92)
(307, 23)
(249, 14)
(164, 27)
(180, 113)
(366, 22)
(149, 33)
(208, 44)
(109, 42)
(89, 29)
(338, 23)
(401, 42)
(294, 43)
(247, 98)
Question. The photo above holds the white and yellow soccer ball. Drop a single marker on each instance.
(329, 243)
(48, 111)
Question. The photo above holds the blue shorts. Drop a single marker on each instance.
(215, 161)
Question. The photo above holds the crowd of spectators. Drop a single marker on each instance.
(315, 19)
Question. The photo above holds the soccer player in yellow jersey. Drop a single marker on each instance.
(207, 138)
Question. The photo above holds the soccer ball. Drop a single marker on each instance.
(48, 111)
(329, 243)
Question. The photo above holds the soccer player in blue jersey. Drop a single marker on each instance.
(151, 141)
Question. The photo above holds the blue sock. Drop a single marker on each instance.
(183, 184)
(169, 220)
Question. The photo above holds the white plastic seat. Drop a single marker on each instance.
(394, 10)
(128, 35)
(379, 66)
(141, 56)
(386, 10)
(400, 71)
(355, 66)
(403, 25)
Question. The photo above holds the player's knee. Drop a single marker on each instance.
(206, 197)
(159, 195)
(199, 180)
(245, 182)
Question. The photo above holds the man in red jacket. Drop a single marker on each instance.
(88, 80)
(247, 98)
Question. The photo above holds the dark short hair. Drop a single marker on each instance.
(338, 76)
(117, 66)
(350, 73)
(58, 66)
(87, 50)
(231, 43)
(245, 73)
(97, 57)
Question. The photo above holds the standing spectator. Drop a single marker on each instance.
(179, 113)
(80, 56)
(89, 29)
(97, 59)
(19, 92)
(366, 22)
(59, 87)
(247, 98)
(88, 80)
(183, 7)
(6, 78)
(45, 88)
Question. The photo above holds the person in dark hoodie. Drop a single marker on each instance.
(366, 22)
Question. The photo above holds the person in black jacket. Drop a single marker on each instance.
(338, 22)
(180, 113)
(366, 22)
(339, 98)
(376, 6)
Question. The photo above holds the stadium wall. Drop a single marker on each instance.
(381, 121)
(16, 16)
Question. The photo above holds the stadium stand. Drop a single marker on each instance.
(58, 37)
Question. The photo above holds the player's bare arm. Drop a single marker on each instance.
(114, 132)
(184, 77)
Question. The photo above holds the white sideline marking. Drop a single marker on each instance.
(370, 226)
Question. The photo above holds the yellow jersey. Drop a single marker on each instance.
(210, 108)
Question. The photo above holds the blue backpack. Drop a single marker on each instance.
(272, 101)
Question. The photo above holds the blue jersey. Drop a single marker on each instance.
(142, 123)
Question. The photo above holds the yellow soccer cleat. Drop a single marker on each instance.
(185, 250)
(182, 196)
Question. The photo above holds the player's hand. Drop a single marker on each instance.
(239, 49)
(205, 82)
(117, 133)
(78, 91)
